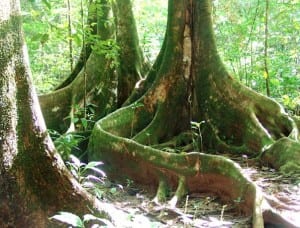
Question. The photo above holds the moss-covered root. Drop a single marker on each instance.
(192, 172)
(162, 189)
(240, 120)
(181, 191)
(284, 155)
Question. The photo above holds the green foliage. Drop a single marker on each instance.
(107, 48)
(65, 143)
(83, 172)
(69, 218)
(197, 135)
(291, 104)
(151, 18)
(83, 117)
(90, 176)
(239, 27)
(73, 220)
(46, 32)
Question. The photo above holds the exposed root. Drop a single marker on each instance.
(252, 124)
(183, 172)
(274, 219)
(181, 191)
(284, 155)
(162, 190)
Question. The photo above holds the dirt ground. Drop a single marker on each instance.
(206, 210)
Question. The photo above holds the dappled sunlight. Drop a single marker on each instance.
(154, 130)
(281, 191)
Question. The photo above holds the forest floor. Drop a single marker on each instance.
(206, 210)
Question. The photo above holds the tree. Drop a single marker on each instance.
(109, 44)
(34, 182)
(187, 83)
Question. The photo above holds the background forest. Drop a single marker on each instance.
(257, 39)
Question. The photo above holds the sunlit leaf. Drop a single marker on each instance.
(88, 184)
(94, 178)
(99, 171)
(75, 120)
(89, 217)
(75, 160)
(93, 164)
(113, 190)
(69, 218)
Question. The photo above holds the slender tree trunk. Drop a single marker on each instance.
(87, 49)
(94, 82)
(70, 35)
(266, 68)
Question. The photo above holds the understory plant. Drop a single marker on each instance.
(66, 143)
(73, 220)
(89, 175)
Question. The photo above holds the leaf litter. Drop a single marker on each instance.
(205, 209)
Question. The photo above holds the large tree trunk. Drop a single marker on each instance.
(190, 83)
(34, 182)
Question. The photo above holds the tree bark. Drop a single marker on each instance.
(107, 86)
(132, 66)
(190, 83)
(34, 182)
(94, 81)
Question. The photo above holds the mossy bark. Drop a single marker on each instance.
(34, 182)
(94, 83)
(98, 81)
(132, 66)
(190, 83)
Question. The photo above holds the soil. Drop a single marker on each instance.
(206, 210)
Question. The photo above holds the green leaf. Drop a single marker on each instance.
(75, 160)
(93, 178)
(93, 164)
(89, 217)
(75, 120)
(113, 191)
(99, 171)
(69, 218)
(47, 4)
(84, 122)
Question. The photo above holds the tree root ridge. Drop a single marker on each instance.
(283, 155)
(180, 172)
(239, 120)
